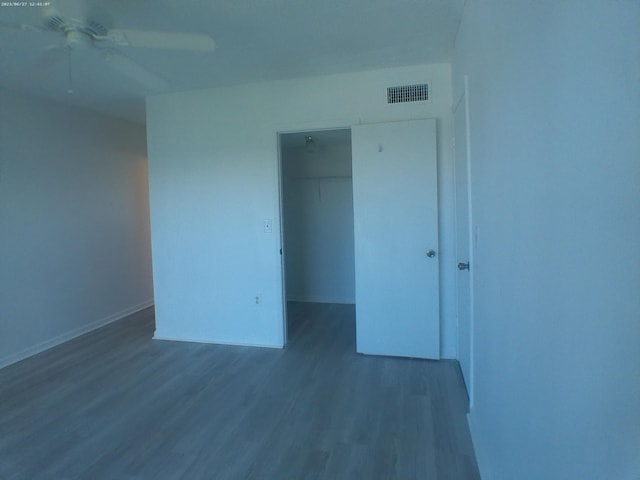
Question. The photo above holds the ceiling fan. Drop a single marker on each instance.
(93, 30)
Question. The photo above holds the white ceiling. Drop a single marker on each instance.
(256, 40)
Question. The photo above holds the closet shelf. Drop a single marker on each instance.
(319, 177)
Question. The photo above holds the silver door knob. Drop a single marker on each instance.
(463, 266)
(431, 253)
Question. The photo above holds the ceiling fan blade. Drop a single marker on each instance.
(135, 71)
(196, 42)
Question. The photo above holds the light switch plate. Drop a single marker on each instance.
(268, 225)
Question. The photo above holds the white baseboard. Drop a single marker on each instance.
(215, 342)
(65, 337)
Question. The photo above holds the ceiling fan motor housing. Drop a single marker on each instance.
(79, 33)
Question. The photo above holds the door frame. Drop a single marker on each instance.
(472, 234)
(283, 130)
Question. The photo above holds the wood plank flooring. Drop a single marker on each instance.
(115, 404)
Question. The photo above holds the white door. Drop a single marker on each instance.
(395, 204)
(463, 236)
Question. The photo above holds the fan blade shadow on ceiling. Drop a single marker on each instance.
(134, 71)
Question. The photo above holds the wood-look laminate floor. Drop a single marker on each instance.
(115, 404)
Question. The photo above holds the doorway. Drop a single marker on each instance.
(316, 201)
(361, 228)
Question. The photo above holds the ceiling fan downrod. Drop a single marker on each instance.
(70, 89)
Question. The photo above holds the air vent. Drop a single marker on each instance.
(408, 93)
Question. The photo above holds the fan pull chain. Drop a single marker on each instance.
(70, 89)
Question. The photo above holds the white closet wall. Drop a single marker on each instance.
(318, 223)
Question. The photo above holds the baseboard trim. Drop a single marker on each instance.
(70, 335)
(215, 342)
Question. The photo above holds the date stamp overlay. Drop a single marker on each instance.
(25, 4)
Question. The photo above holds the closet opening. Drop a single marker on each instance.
(316, 203)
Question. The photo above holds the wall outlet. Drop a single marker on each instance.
(258, 299)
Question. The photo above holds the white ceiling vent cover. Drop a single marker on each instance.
(408, 93)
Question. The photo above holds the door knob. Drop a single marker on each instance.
(431, 253)
(463, 266)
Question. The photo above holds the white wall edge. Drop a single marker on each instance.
(475, 440)
(216, 342)
(65, 337)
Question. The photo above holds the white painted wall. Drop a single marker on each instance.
(555, 148)
(213, 163)
(318, 223)
(74, 223)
